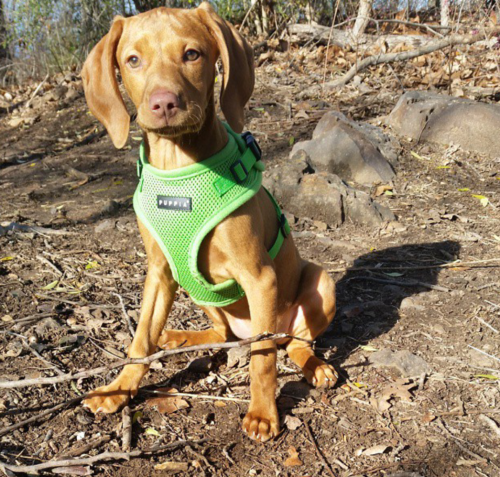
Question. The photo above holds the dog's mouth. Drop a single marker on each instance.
(169, 132)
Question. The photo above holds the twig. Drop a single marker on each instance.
(41, 358)
(14, 227)
(200, 396)
(126, 429)
(36, 91)
(75, 303)
(147, 360)
(407, 55)
(83, 449)
(491, 423)
(456, 263)
(41, 415)
(409, 283)
(486, 324)
(125, 314)
(484, 352)
(318, 451)
(57, 271)
(97, 458)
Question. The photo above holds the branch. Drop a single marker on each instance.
(97, 458)
(407, 55)
(148, 360)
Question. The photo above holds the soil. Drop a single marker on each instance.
(394, 289)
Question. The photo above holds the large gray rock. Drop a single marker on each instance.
(446, 120)
(354, 152)
(322, 195)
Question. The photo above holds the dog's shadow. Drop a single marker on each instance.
(369, 300)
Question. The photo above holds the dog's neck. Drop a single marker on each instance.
(174, 153)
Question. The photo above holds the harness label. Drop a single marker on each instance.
(174, 203)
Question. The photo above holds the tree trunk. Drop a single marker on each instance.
(365, 8)
(4, 47)
(445, 12)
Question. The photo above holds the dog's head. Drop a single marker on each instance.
(166, 58)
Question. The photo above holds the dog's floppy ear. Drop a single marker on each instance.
(237, 59)
(101, 86)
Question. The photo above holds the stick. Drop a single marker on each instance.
(374, 60)
(125, 315)
(37, 417)
(486, 324)
(70, 302)
(147, 360)
(484, 352)
(201, 396)
(97, 458)
(83, 449)
(491, 423)
(318, 451)
(13, 226)
(36, 91)
(126, 429)
(456, 263)
(412, 283)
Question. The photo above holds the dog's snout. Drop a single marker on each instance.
(164, 104)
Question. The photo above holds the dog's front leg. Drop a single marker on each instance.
(159, 293)
(261, 422)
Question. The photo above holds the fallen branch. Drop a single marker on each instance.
(15, 227)
(97, 458)
(430, 47)
(148, 360)
(127, 319)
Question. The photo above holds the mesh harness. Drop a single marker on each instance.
(180, 207)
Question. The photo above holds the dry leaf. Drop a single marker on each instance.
(173, 467)
(293, 460)
(380, 190)
(380, 449)
(166, 404)
(292, 422)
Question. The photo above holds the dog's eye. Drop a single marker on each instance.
(191, 55)
(134, 61)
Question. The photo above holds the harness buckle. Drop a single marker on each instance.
(234, 171)
(284, 226)
(252, 144)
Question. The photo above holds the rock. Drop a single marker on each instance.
(104, 226)
(201, 365)
(410, 303)
(238, 357)
(445, 120)
(322, 196)
(408, 364)
(351, 151)
(46, 325)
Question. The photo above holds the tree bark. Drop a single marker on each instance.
(364, 12)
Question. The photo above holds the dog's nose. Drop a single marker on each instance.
(164, 104)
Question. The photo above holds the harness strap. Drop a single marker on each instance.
(283, 231)
(239, 170)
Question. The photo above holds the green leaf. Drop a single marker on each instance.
(6, 259)
(91, 265)
(291, 141)
(368, 348)
(482, 199)
(152, 432)
(417, 156)
(393, 274)
(487, 376)
(51, 285)
(464, 189)
(137, 415)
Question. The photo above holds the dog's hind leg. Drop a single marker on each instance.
(314, 310)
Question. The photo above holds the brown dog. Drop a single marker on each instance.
(167, 59)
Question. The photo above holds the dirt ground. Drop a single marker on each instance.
(59, 292)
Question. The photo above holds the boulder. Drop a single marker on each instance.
(446, 120)
(355, 152)
(321, 195)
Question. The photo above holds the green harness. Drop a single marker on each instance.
(180, 207)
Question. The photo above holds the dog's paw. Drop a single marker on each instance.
(170, 339)
(320, 374)
(108, 399)
(261, 426)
